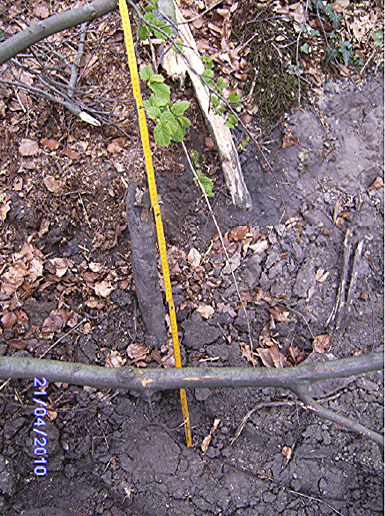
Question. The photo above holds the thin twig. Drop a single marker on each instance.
(62, 337)
(76, 64)
(222, 243)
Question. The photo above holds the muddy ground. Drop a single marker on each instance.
(113, 453)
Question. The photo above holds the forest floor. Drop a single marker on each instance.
(68, 294)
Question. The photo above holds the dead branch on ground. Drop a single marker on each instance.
(296, 379)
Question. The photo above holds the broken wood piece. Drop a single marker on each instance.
(141, 227)
(176, 66)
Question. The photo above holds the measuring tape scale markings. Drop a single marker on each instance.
(154, 202)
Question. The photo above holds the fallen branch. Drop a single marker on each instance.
(62, 21)
(295, 379)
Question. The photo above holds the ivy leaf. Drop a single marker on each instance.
(160, 89)
(153, 112)
(162, 135)
(378, 36)
(179, 107)
(345, 50)
(146, 73)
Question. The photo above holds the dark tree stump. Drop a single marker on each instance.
(142, 231)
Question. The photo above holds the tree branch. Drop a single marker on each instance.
(296, 379)
(65, 20)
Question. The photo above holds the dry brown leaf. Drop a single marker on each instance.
(52, 414)
(50, 144)
(321, 275)
(5, 205)
(248, 353)
(341, 217)
(104, 288)
(194, 257)
(278, 358)
(114, 359)
(197, 23)
(17, 343)
(135, 351)
(53, 323)
(265, 357)
(239, 233)
(288, 140)
(280, 313)
(259, 247)
(18, 184)
(53, 185)
(60, 266)
(377, 184)
(287, 452)
(8, 320)
(296, 355)
(28, 147)
(206, 441)
(321, 343)
(71, 154)
(205, 311)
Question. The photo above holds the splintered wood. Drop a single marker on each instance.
(191, 62)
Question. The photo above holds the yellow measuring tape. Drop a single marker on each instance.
(154, 202)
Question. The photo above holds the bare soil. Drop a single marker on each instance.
(114, 453)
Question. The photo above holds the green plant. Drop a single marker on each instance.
(234, 99)
(206, 182)
(170, 123)
(378, 37)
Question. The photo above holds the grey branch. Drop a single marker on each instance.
(296, 379)
(65, 20)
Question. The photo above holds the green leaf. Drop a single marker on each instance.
(206, 183)
(146, 73)
(162, 135)
(143, 33)
(334, 18)
(231, 121)
(170, 120)
(215, 100)
(234, 98)
(184, 122)
(151, 7)
(345, 50)
(305, 48)
(156, 78)
(208, 62)
(153, 112)
(160, 89)
(208, 74)
(195, 157)
(161, 101)
(179, 134)
(179, 107)
(378, 37)
(153, 20)
(221, 84)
